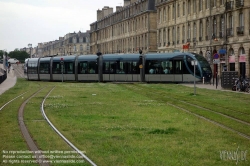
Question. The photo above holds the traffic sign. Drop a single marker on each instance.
(216, 56)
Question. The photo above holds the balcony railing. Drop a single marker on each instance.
(239, 3)
(240, 30)
(230, 32)
(229, 5)
(188, 40)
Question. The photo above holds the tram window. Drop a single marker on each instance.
(132, 68)
(178, 67)
(83, 67)
(167, 67)
(92, 67)
(154, 67)
(68, 68)
(44, 68)
(120, 67)
(32, 68)
(106, 68)
(56, 68)
(112, 67)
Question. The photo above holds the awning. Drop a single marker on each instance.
(231, 59)
(242, 58)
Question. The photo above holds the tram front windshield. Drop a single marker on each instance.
(205, 67)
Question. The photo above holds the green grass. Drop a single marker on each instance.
(132, 124)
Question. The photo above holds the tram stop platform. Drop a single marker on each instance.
(9, 82)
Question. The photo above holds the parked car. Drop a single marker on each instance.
(1, 61)
(13, 60)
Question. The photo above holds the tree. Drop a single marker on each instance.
(20, 55)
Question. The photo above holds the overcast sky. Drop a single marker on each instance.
(37, 21)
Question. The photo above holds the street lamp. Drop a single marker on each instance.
(30, 46)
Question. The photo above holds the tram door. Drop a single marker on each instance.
(178, 69)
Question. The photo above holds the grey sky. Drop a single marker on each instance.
(37, 21)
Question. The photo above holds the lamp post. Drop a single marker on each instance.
(30, 46)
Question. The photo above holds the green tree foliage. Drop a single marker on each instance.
(20, 55)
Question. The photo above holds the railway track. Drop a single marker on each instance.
(172, 101)
(18, 70)
(31, 143)
(60, 134)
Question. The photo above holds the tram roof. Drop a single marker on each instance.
(121, 57)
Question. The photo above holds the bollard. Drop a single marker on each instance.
(203, 80)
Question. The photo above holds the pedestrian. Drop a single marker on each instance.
(9, 65)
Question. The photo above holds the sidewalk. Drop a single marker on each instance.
(205, 86)
(9, 82)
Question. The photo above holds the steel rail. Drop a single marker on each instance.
(61, 135)
(11, 101)
(30, 142)
(209, 120)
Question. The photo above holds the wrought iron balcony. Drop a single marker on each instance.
(229, 5)
(240, 30)
(239, 3)
(230, 32)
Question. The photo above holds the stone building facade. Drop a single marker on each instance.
(207, 27)
(70, 44)
(130, 28)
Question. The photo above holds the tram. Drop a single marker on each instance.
(151, 67)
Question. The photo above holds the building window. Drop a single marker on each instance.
(178, 11)
(230, 21)
(189, 6)
(194, 6)
(184, 9)
(207, 30)
(194, 32)
(201, 31)
(183, 34)
(241, 17)
(173, 12)
(222, 24)
(169, 13)
(173, 35)
(200, 5)
(189, 31)
(178, 35)
(81, 48)
(214, 27)
(207, 4)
